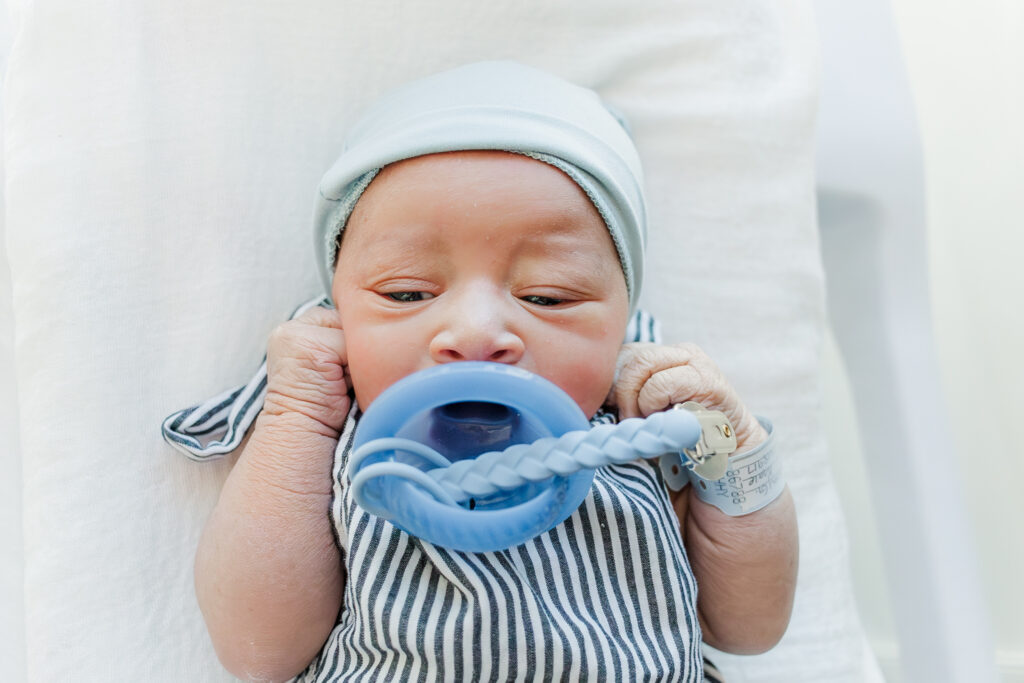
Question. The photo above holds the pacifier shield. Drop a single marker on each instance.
(462, 410)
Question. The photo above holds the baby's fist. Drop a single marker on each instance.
(653, 377)
(307, 368)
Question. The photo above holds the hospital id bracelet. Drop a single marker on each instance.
(752, 480)
(736, 485)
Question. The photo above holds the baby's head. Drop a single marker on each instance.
(491, 212)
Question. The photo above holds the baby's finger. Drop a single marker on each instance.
(331, 341)
(652, 378)
(710, 389)
(308, 359)
(673, 385)
(636, 365)
(631, 372)
(320, 316)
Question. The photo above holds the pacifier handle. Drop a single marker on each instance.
(495, 471)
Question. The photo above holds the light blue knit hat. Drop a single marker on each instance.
(494, 106)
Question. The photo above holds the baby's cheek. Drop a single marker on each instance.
(361, 387)
(369, 374)
(588, 380)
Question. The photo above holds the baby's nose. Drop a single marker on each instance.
(478, 329)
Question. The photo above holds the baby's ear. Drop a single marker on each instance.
(620, 117)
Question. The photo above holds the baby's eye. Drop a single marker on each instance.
(542, 300)
(408, 297)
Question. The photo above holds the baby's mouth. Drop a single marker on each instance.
(477, 412)
(469, 428)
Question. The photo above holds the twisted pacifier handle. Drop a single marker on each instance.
(517, 465)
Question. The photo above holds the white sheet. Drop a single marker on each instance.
(12, 615)
(161, 161)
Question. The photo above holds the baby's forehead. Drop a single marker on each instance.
(437, 184)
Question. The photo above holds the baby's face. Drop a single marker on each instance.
(486, 256)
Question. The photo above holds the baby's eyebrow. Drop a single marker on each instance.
(566, 242)
(410, 248)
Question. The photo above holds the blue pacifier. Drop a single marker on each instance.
(479, 456)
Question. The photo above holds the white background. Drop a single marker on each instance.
(966, 67)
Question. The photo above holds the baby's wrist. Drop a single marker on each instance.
(291, 452)
(292, 414)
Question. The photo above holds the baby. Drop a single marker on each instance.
(491, 212)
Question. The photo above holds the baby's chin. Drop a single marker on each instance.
(363, 399)
(592, 406)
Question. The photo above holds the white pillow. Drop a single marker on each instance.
(161, 162)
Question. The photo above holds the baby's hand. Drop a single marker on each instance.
(745, 566)
(307, 369)
(653, 377)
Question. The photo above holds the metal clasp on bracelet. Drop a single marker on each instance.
(709, 458)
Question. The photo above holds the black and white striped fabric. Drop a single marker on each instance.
(606, 595)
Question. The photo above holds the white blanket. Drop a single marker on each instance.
(161, 160)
